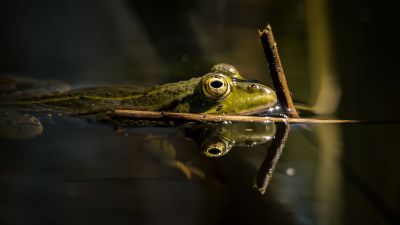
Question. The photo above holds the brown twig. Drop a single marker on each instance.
(276, 71)
(135, 114)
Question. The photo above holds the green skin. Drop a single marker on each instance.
(244, 97)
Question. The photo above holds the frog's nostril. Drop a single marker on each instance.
(216, 84)
(253, 86)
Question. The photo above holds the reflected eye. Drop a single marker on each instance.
(215, 147)
(216, 86)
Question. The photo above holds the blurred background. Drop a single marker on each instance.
(340, 57)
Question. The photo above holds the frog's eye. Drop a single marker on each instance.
(216, 86)
(215, 147)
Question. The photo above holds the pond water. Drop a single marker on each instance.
(340, 56)
(79, 173)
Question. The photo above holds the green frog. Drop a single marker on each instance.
(221, 91)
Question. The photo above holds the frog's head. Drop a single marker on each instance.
(224, 90)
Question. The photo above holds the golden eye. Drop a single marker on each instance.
(215, 147)
(216, 86)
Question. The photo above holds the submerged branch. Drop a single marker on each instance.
(135, 114)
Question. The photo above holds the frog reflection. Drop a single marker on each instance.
(215, 140)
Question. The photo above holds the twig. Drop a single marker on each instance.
(135, 114)
(275, 149)
(276, 71)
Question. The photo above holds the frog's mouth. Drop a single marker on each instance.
(262, 110)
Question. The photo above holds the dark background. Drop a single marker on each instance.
(149, 42)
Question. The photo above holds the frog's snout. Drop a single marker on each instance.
(267, 96)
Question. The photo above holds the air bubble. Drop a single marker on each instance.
(290, 171)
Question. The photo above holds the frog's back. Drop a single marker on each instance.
(23, 92)
(159, 97)
(23, 99)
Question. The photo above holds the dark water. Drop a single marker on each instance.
(341, 55)
(82, 173)
(79, 173)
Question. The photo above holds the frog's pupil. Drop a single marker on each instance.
(216, 84)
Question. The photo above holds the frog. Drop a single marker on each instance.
(223, 90)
